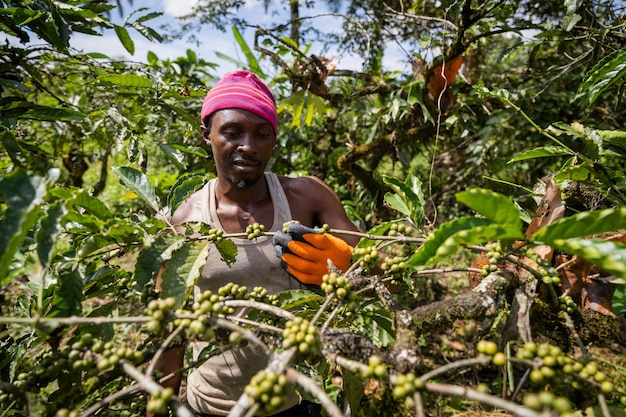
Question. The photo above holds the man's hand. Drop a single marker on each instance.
(305, 252)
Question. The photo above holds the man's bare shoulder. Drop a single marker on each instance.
(299, 185)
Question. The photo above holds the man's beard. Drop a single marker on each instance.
(243, 183)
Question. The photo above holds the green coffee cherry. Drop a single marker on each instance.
(268, 389)
(301, 333)
(255, 230)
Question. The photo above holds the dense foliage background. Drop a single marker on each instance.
(492, 175)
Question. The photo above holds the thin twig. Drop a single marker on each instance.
(312, 388)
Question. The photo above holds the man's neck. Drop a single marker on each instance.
(230, 193)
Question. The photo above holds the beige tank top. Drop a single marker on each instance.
(215, 386)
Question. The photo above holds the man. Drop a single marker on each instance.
(239, 122)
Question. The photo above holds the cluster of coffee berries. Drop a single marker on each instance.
(567, 304)
(334, 283)
(551, 279)
(368, 257)
(494, 256)
(375, 368)
(6, 397)
(204, 303)
(215, 235)
(44, 368)
(396, 229)
(200, 327)
(232, 291)
(158, 310)
(301, 333)
(546, 400)
(550, 365)
(405, 385)
(268, 389)
(393, 264)
(255, 230)
(109, 356)
(550, 276)
(159, 400)
(259, 293)
(487, 347)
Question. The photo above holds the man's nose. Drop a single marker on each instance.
(246, 143)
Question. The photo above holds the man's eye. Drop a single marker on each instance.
(264, 134)
(231, 134)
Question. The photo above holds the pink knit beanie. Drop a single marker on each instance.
(241, 89)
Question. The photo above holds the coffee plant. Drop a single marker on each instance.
(463, 297)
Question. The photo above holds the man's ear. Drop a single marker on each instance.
(206, 134)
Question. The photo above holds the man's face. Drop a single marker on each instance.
(242, 144)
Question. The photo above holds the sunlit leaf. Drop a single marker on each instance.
(125, 39)
(137, 182)
(184, 186)
(495, 207)
(583, 224)
(291, 299)
(408, 198)
(542, 152)
(24, 195)
(606, 255)
(253, 64)
(428, 252)
(183, 269)
(127, 80)
(609, 71)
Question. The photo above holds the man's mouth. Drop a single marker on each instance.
(246, 163)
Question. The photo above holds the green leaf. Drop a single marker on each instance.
(147, 32)
(606, 255)
(227, 250)
(408, 198)
(149, 16)
(127, 80)
(192, 150)
(587, 223)
(603, 75)
(24, 195)
(93, 206)
(495, 207)
(378, 230)
(49, 229)
(574, 173)
(175, 155)
(76, 222)
(184, 186)
(92, 244)
(125, 38)
(152, 257)
(614, 137)
(52, 114)
(253, 64)
(429, 250)
(69, 294)
(291, 299)
(137, 182)
(541, 152)
(182, 271)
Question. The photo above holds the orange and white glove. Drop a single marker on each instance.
(305, 252)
